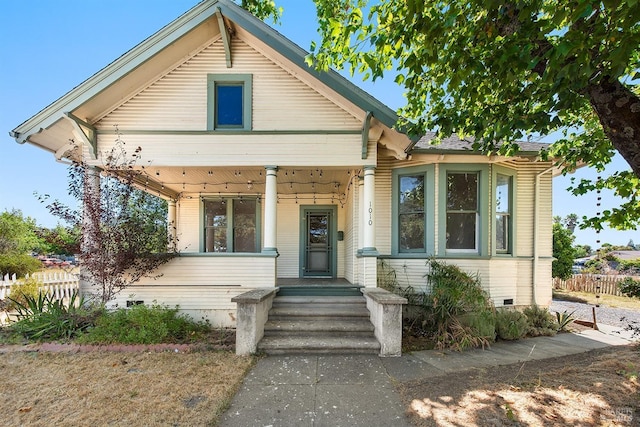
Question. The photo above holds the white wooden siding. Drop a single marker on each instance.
(383, 207)
(508, 278)
(350, 236)
(188, 228)
(288, 238)
(210, 150)
(178, 100)
(203, 285)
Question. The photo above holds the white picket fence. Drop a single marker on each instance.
(60, 284)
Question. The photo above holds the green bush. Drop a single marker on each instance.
(511, 324)
(541, 322)
(142, 324)
(18, 264)
(460, 311)
(630, 287)
(29, 287)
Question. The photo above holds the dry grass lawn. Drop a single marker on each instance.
(598, 388)
(118, 389)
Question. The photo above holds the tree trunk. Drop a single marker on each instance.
(619, 112)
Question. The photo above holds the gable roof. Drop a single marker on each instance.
(168, 38)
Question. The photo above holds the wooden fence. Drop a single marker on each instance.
(59, 285)
(594, 283)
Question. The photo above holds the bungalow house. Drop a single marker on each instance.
(277, 174)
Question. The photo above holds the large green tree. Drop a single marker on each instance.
(17, 240)
(563, 251)
(499, 71)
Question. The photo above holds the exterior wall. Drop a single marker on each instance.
(351, 235)
(168, 119)
(202, 286)
(178, 99)
(503, 276)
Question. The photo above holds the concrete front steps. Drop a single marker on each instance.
(319, 324)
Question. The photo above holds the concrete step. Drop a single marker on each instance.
(318, 311)
(308, 290)
(315, 299)
(324, 344)
(319, 324)
(306, 328)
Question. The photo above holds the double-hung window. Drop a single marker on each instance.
(463, 211)
(229, 101)
(504, 202)
(231, 225)
(412, 209)
(411, 214)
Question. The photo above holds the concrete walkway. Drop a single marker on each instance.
(357, 390)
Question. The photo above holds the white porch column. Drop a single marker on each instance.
(270, 210)
(91, 213)
(361, 216)
(171, 222)
(368, 212)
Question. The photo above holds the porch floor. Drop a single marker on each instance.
(315, 282)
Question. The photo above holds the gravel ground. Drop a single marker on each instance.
(605, 315)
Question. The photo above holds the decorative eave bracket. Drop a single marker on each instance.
(88, 133)
(365, 134)
(226, 38)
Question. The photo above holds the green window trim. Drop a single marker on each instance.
(511, 230)
(231, 225)
(244, 81)
(427, 172)
(482, 211)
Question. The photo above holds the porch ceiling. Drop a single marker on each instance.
(334, 182)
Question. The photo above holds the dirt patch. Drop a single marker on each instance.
(595, 388)
(113, 388)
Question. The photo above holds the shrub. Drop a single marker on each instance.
(142, 324)
(459, 307)
(28, 287)
(541, 322)
(18, 264)
(630, 287)
(511, 324)
(46, 318)
(564, 319)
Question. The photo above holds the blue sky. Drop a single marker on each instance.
(49, 47)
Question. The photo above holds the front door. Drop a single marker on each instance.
(318, 242)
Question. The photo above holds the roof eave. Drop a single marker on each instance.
(114, 71)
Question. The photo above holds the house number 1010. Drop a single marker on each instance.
(370, 214)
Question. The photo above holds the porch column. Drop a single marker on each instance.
(368, 212)
(171, 222)
(270, 210)
(91, 213)
(361, 216)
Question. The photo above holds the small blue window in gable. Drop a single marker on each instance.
(229, 98)
(229, 108)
